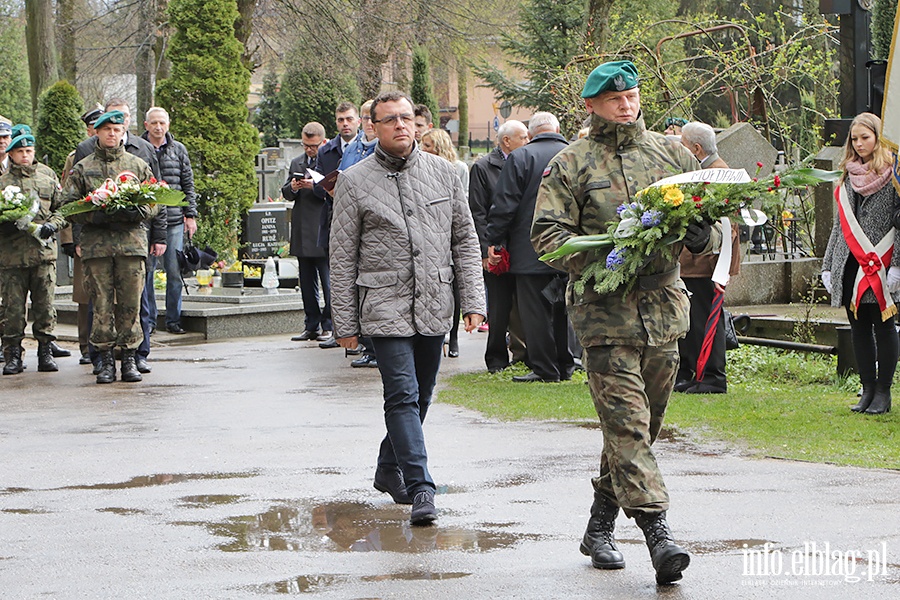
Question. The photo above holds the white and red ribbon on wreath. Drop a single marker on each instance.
(873, 260)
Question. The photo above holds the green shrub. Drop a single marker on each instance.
(422, 91)
(299, 107)
(59, 125)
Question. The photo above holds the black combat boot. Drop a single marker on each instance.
(598, 541)
(881, 402)
(106, 367)
(46, 363)
(58, 351)
(865, 397)
(13, 357)
(668, 559)
(130, 371)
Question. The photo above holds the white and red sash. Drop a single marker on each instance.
(873, 260)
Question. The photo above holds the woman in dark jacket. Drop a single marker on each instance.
(861, 267)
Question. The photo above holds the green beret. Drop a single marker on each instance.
(116, 117)
(21, 141)
(20, 129)
(616, 76)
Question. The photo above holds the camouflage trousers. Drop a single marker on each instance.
(630, 387)
(15, 285)
(115, 284)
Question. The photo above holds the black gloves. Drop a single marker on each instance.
(47, 230)
(69, 249)
(697, 236)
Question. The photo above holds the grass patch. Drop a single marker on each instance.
(781, 404)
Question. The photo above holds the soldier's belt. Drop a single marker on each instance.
(659, 280)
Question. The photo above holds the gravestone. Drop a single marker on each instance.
(742, 146)
(265, 230)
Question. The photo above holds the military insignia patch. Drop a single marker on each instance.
(546, 171)
(619, 82)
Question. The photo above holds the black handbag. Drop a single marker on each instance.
(731, 339)
(191, 259)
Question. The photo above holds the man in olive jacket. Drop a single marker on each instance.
(114, 248)
(401, 232)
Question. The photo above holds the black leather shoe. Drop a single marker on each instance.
(881, 402)
(865, 398)
(366, 360)
(668, 559)
(325, 336)
(423, 510)
(329, 343)
(176, 329)
(85, 359)
(130, 373)
(57, 351)
(13, 358)
(306, 336)
(105, 369)
(390, 481)
(532, 377)
(354, 351)
(705, 388)
(141, 363)
(683, 385)
(46, 364)
(598, 541)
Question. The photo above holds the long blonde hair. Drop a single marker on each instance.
(881, 157)
(443, 145)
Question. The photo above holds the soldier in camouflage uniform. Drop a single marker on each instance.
(26, 264)
(629, 340)
(113, 247)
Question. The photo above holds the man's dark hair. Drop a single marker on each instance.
(393, 96)
(115, 102)
(423, 111)
(345, 106)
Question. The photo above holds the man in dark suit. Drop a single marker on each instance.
(346, 117)
(539, 287)
(501, 289)
(305, 218)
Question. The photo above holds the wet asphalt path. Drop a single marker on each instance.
(243, 470)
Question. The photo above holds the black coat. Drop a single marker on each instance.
(175, 168)
(510, 215)
(306, 214)
(482, 182)
(328, 160)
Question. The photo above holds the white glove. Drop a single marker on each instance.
(826, 281)
(893, 279)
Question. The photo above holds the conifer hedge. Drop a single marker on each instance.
(59, 126)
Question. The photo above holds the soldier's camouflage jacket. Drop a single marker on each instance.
(21, 249)
(581, 189)
(104, 235)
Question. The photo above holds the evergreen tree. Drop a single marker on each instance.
(59, 125)
(551, 33)
(311, 93)
(422, 91)
(883, 14)
(206, 95)
(268, 118)
(15, 93)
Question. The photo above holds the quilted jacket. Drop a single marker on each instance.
(401, 231)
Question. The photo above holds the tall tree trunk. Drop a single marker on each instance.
(462, 86)
(163, 64)
(243, 27)
(144, 63)
(65, 26)
(597, 23)
(40, 40)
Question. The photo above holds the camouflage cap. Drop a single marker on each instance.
(616, 76)
(20, 129)
(113, 117)
(20, 141)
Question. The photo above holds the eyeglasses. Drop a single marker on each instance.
(311, 146)
(391, 120)
(365, 118)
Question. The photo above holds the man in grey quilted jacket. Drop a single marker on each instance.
(401, 233)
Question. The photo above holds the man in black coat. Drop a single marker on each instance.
(305, 218)
(501, 289)
(346, 117)
(540, 289)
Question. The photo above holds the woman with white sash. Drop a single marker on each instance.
(861, 267)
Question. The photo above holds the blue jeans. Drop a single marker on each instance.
(174, 284)
(148, 308)
(409, 367)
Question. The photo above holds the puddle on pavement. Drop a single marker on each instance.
(15, 490)
(414, 576)
(325, 471)
(207, 500)
(210, 359)
(125, 512)
(350, 527)
(317, 583)
(26, 511)
(513, 481)
(725, 546)
(158, 479)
